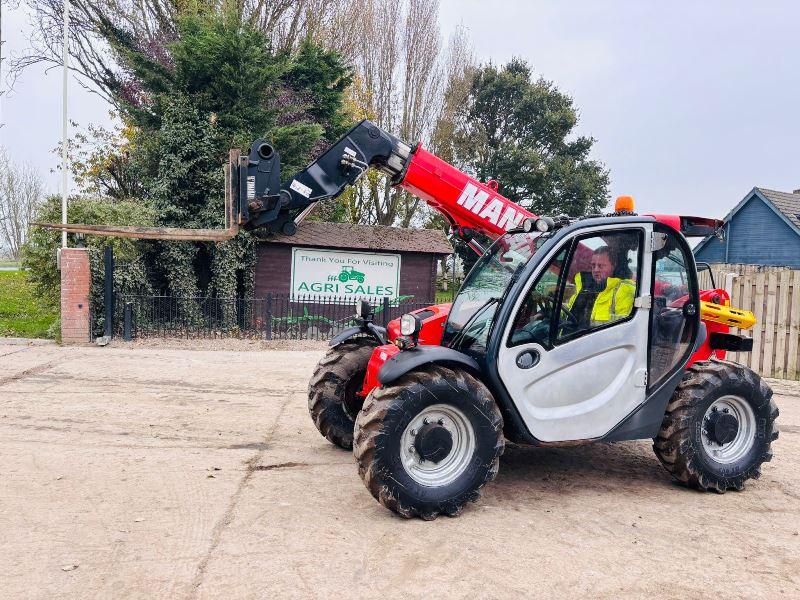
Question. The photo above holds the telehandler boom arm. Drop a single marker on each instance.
(468, 205)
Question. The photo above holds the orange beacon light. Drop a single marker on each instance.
(623, 204)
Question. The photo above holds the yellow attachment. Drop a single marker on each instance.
(743, 319)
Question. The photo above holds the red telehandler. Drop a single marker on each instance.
(566, 332)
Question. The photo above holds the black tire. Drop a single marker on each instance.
(386, 415)
(332, 399)
(679, 444)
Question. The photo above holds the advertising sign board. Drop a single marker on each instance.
(344, 274)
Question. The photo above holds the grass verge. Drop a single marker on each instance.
(21, 313)
(442, 297)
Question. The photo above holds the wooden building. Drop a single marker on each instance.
(346, 260)
(763, 229)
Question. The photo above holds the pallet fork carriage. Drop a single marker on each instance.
(567, 331)
(233, 220)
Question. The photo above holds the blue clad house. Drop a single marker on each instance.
(763, 229)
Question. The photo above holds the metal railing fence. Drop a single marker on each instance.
(275, 316)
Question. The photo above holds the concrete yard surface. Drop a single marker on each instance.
(137, 472)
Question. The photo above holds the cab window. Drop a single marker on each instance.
(601, 283)
(533, 321)
(671, 330)
(591, 283)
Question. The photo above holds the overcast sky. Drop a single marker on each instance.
(692, 103)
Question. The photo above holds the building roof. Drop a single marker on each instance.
(786, 205)
(366, 237)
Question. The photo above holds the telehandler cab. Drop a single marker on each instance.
(566, 332)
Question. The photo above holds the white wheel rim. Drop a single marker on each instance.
(453, 465)
(740, 445)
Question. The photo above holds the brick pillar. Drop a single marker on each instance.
(76, 280)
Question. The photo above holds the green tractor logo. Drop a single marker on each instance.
(350, 274)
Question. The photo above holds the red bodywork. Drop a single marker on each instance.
(690, 226)
(464, 201)
(433, 320)
(379, 356)
(704, 352)
(470, 204)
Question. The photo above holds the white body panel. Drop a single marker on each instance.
(583, 388)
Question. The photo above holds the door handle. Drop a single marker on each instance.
(528, 359)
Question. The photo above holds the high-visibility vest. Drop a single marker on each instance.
(612, 303)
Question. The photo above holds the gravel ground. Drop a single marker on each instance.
(238, 345)
(156, 471)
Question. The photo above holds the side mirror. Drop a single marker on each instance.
(363, 309)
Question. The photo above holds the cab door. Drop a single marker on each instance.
(574, 353)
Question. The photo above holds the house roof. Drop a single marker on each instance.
(785, 205)
(366, 237)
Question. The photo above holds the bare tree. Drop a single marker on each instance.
(399, 81)
(12, 4)
(460, 65)
(152, 24)
(21, 191)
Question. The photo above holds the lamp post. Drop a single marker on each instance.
(1, 62)
(64, 127)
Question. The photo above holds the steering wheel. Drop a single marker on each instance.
(544, 305)
(538, 330)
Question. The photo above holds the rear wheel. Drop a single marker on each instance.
(333, 399)
(429, 442)
(719, 427)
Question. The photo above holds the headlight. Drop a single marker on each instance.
(409, 324)
(527, 225)
(541, 224)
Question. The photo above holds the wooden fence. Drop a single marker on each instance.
(773, 294)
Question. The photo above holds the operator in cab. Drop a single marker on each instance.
(602, 295)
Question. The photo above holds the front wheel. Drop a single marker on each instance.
(719, 427)
(426, 444)
(333, 398)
